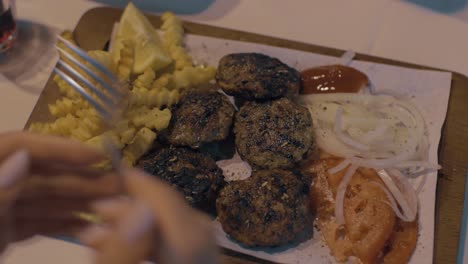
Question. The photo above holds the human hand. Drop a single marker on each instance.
(43, 180)
(153, 222)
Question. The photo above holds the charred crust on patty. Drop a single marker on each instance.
(255, 76)
(199, 118)
(273, 134)
(194, 175)
(271, 208)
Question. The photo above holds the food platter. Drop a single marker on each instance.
(95, 26)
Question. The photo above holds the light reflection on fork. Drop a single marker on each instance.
(106, 94)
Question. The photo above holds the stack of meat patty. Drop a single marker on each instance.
(199, 118)
(272, 133)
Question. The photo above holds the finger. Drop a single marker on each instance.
(48, 149)
(94, 236)
(157, 194)
(57, 170)
(136, 228)
(137, 223)
(50, 208)
(71, 186)
(12, 171)
(113, 209)
(187, 234)
(27, 228)
(117, 251)
(193, 242)
(14, 168)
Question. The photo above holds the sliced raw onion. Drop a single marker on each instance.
(343, 137)
(382, 163)
(340, 194)
(373, 117)
(408, 190)
(378, 132)
(328, 142)
(346, 58)
(391, 202)
(341, 166)
(420, 184)
(418, 164)
(421, 173)
(374, 134)
(407, 208)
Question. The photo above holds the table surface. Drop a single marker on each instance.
(384, 28)
(393, 35)
(450, 192)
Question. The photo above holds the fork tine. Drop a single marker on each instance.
(85, 80)
(107, 108)
(113, 91)
(83, 92)
(115, 157)
(85, 56)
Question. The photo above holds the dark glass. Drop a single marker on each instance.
(7, 26)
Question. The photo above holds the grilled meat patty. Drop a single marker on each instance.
(193, 174)
(256, 76)
(273, 134)
(200, 118)
(271, 208)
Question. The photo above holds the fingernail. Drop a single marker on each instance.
(14, 168)
(138, 223)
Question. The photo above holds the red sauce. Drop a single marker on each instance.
(333, 79)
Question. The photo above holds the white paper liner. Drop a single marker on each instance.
(235, 169)
(429, 90)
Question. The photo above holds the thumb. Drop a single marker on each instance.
(13, 169)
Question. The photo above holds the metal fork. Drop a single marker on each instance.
(108, 104)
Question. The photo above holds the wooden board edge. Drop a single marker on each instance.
(212, 31)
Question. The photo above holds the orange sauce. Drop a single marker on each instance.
(333, 79)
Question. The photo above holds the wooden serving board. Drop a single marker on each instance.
(93, 32)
